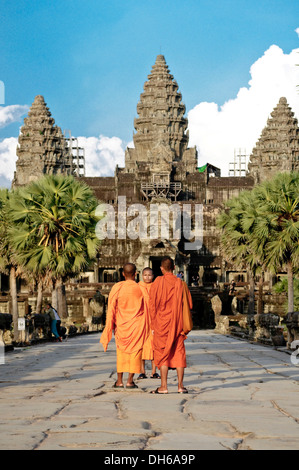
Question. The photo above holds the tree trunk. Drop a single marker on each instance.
(251, 293)
(39, 299)
(54, 296)
(61, 300)
(260, 295)
(96, 272)
(14, 301)
(290, 287)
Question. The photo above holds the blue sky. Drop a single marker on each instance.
(90, 59)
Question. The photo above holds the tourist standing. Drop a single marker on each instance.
(54, 318)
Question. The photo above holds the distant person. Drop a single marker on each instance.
(54, 317)
(147, 352)
(126, 317)
(232, 287)
(170, 304)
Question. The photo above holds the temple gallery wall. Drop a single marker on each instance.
(161, 168)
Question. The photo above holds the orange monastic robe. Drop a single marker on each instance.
(147, 352)
(170, 304)
(126, 317)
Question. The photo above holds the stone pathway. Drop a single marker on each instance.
(60, 396)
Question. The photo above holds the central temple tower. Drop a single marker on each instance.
(161, 138)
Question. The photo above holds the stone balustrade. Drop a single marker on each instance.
(266, 328)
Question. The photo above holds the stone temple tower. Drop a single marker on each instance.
(278, 146)
(161, 138)
(42, 148)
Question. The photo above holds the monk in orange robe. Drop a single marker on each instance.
(170, 305)
(126, 317)
(147, 352)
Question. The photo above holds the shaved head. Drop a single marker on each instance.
(147, 269)
(167, 264)
(129, 271)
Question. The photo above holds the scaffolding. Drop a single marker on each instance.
(77, 153)
(162, 190)
(239, 166)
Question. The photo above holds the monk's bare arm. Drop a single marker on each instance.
(152, 302)
(187, 306)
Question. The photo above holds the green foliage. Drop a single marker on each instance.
(261, 227)
(53, 226)
(238, 223)
(5, 250)
(277, 227)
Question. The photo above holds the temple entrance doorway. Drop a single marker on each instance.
(155, 263)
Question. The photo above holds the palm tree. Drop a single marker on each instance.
(237, 223)
(261, 228)
(277, 226)
(53, 232)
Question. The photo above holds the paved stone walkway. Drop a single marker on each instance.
(60, 396)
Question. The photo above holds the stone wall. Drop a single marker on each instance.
(86, 312)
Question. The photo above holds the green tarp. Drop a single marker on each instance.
(201, 169)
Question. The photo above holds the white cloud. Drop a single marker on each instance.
(7, 160)
(102, 154)
(217, 131)
(297, 31)
(8, 115)
(12, 113)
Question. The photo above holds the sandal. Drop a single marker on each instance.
(118, 386)
(155, 376)
(159, 393)
(184, 390)
(133, 385)
(142, 376)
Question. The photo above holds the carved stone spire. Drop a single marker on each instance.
(42, 148)
(161, 122)
(161, 112)
(278, 146)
